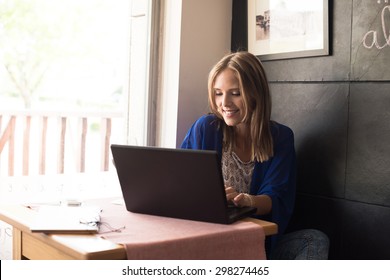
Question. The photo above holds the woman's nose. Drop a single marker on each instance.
(226, 100)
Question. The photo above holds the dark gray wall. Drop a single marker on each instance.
(339, 109)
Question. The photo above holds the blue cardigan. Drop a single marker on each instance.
(275, 177)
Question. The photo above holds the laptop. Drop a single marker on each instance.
(177, 183)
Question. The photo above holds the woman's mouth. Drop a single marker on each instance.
(229, 113)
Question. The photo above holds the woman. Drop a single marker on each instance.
(257, 154)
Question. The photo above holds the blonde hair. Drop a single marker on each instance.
(253, 85)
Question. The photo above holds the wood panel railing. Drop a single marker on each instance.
(54, 133)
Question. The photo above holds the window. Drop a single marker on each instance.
(79, 69)
(75, 77)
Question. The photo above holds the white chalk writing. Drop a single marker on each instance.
(370, 39)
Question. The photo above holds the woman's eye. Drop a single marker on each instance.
(237, 93)
(218, 93)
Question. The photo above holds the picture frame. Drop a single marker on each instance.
(279, 29)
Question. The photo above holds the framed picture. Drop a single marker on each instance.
(280, 29)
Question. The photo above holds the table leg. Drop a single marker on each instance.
(16, 244)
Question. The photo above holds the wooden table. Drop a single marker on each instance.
(41, 246)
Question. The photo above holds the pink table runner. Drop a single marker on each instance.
(155, 237)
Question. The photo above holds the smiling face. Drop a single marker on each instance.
(238, 94)
(228, 98)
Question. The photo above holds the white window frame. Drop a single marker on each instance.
(138, 69)
(144, 61)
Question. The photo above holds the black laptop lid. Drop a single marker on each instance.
(176, 183)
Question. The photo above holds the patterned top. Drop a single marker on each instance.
(236, 173)
(275, 177)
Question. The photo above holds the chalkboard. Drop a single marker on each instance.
(370, 55)
(360, 44)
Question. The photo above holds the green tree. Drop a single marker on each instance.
(35, 34)
(28, 43)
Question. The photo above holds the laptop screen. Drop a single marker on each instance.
(177, 183)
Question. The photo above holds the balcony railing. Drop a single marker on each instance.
(32, 142)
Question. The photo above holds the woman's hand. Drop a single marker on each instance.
(262, 202)
(239, 199)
